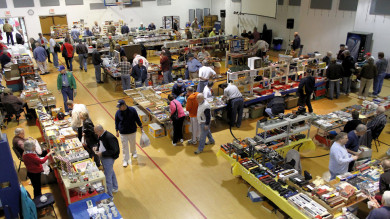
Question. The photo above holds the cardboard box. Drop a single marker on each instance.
(291, 102)
(145, 119)
(155, 130)
(187, 126)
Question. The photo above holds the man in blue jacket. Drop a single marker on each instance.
(126, 121)
(140, 74)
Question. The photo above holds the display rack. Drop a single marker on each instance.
(286, 125)
(59, 31)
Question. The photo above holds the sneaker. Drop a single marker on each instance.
(209, 143)
(66, 113)
(100, 82)
(135, 155)
(197, 152)
(114, 190)
(181, 141)
(174, 144)
(360, 97)
(371, 95)
(191, 142)
(125, 163)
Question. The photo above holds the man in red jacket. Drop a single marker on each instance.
(34, 167)
(67, 53)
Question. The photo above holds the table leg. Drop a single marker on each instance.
(67, 195)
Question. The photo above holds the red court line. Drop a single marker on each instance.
(151, 159)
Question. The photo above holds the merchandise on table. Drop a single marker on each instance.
(103, 209)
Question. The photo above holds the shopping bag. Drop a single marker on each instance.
(144, 141)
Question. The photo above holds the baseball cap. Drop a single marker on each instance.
(61, 68)
(368, 54)
(141, 61)
(180, 81)
(120, 103)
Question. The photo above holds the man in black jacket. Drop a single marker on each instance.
(349, 68)
(276, 105)
(305, 89)
(296, 45)
(126, 121)
(108, 151)
(96, 61)
(384, 179)
(333, 73)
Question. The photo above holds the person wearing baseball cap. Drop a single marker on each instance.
(126, 121)
(66, 84)
(140, 73)
(179, 89)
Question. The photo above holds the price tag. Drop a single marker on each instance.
(233, 76)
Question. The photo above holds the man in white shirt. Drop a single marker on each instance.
(96, 29)
(208, 95)
(235, 104)
(138, 57)
(205, 73)
(53, 43)
(204, 119)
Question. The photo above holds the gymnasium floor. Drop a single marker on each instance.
(171, 182)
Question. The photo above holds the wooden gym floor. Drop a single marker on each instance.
(171, 182)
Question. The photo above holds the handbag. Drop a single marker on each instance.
(175, 115)
(64, 52)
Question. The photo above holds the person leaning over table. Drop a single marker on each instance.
(192, 108)
(328, 58)
(204, 119)
(119, 49)
(108, 151)
(205, 74)
(352, 124)
(353, 145)
(34, 166)
(333, 74)
(208, 92)
(178, 120)
(235, 104)
(66, 84)
(276, 105)
(140, 74)
(339, 158)
(77, 121)
(179, 89)
(90, 139)
(97, 61)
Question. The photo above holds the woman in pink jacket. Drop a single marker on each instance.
(177, 116)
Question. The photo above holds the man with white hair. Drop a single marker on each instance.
(381, 212)
(204, 119)
(384, 179)
(76, 111)
(108, 151)
(18, 140)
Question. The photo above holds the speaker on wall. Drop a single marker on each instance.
(290, 23)
(223, 13)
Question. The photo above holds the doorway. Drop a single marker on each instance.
(48, 21)
(18, 24)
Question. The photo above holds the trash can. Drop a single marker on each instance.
(277, 41)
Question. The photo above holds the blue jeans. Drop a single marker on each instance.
(269, 112)
(331, 89)
(83, 61)
(346, 85)
(203, 135)
(55, 59)
(237, 108)
(98, 73)
(112, 183)
(125, 81)
(69, 64)
(167, 77)
(378, 83)
(187, 74)
(201, 86)
(67, 93)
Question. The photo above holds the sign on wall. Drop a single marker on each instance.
(7, 13)
(163, 2)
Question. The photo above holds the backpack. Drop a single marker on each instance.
(57, 48)
(64, 52)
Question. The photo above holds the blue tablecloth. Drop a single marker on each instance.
(78, 210)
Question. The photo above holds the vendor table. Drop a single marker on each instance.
(117, 78)
(235, 57)
(282, 203)
(79, 209)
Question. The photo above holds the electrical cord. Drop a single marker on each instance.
(232, 132)
(316, 156)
